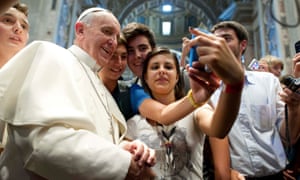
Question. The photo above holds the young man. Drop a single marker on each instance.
(62, 121)
(14, 31)
(256, 149)
(112, 72)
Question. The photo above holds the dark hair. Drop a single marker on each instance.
(179, 88)
(135, 29)
(240, 31)
(22, 8)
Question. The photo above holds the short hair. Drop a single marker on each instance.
(271, 61)
(135, 29)
(179, 88)
(240, 31)
(22, 8)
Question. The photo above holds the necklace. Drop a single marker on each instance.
(166, 135)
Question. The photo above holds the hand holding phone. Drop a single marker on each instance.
(193, 52)
(297, 46)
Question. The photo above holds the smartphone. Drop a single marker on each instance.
(193, 56)
(297, 46)
(253, 65)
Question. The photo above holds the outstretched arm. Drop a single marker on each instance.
(168, 114)
(215, 52)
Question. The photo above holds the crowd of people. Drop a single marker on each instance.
(64, 115)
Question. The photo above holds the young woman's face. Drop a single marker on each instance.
(161, 75)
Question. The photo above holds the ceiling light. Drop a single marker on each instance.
(167, 8)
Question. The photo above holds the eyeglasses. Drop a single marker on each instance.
(89, 11)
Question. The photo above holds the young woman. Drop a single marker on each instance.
(179, 145)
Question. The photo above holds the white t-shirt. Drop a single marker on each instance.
(179, 147)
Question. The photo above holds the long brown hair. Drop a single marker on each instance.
(179, 87)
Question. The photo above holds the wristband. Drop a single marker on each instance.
(192, 100)
(233, 88)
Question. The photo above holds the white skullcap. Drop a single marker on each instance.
(90, 10)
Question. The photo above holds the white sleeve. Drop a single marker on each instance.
(60, 152)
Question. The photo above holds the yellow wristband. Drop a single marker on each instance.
(192, 100)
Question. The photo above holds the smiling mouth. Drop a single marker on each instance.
(138, 64)
(107, 51)
(162, 80)
(15, 39)
(116, 70)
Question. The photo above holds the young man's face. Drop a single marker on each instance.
(14, 31)
(116, 65)
(138, 48)
(232, 40)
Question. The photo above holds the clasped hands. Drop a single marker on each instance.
(143, 158)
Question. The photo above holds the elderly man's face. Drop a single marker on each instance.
(99, 37)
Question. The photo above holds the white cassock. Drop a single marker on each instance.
(62, 121)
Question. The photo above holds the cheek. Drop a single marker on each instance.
(130, 64)
(124, 63)
(130, 59)
(147, 80)
(26, 35)
(144, 54)
(3, 32)
(175, 80)
(149, 77)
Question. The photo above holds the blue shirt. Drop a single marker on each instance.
(137, 96)
(255, 146)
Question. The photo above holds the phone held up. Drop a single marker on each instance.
(193, 56)
(253, 65)
(297, 46)
(291, 82)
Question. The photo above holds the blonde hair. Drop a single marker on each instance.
(271, 61)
